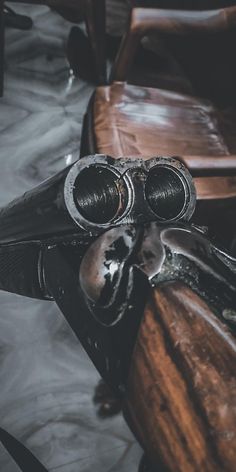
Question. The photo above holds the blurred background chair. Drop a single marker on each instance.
(91, 11)
(199, 126)
(213, 52)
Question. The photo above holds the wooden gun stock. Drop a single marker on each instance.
(181, 394)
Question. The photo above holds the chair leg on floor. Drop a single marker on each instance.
(95, 18)
(1, 48)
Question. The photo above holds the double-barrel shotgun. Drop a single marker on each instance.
(149, 296)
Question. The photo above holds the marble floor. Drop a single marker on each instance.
(46, 379)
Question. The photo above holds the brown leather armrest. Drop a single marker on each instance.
(181, 22)
(212, 163)
(217, 179)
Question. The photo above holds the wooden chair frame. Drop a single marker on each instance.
(144, 21)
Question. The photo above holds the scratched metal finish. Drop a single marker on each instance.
(46, 379)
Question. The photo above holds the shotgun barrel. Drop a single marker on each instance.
(151, 298)
(99, 192)
(82, 201)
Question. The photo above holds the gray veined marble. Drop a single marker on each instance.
(46, 379)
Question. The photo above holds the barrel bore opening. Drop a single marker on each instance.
(165, 192)
(98, 194)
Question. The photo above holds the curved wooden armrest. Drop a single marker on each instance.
(214, 176)
(211, 163)
(181, 22)
(215, 188)
(181, 396)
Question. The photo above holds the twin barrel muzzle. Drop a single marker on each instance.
(98, 192)
(102, 191)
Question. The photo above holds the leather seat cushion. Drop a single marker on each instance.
(132, 120)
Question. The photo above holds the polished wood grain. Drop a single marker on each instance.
(181, 396)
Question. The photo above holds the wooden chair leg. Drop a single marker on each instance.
(95, 18)
(1, 48)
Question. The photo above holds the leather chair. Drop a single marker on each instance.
(186, 52)
(93, 12)
(125, 119)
